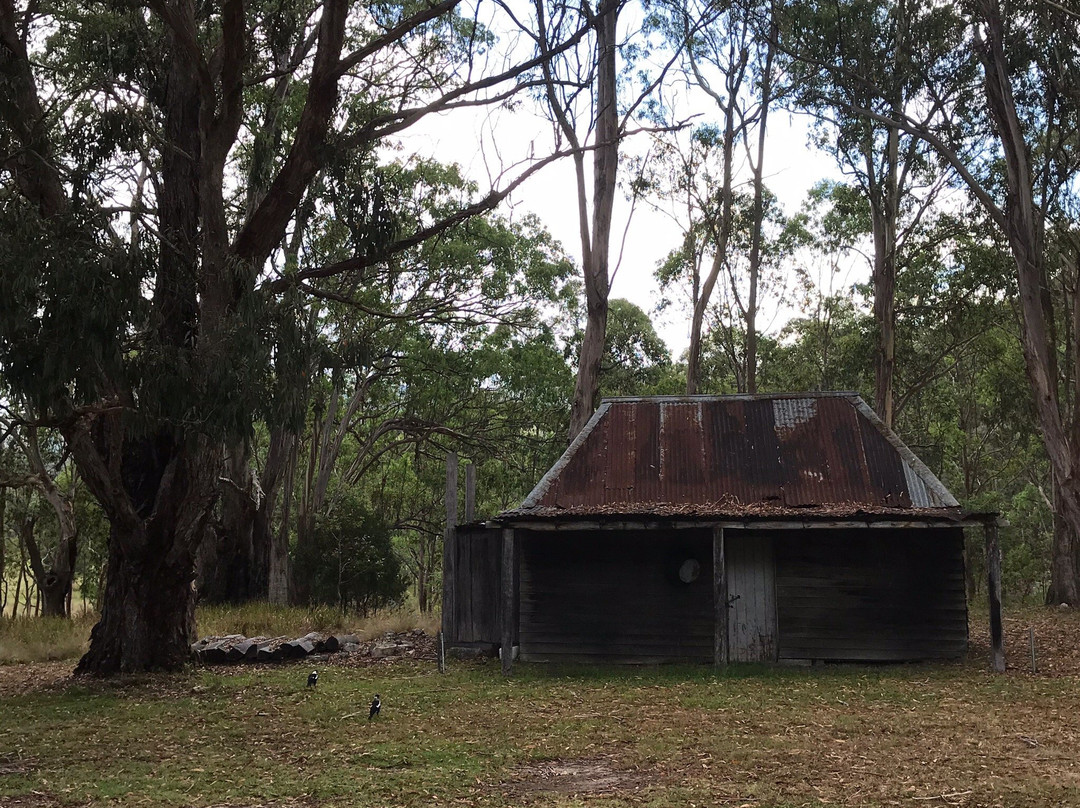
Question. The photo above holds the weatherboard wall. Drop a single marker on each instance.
(478, 581)
(870, 595)
(853, 595)
(615, 596)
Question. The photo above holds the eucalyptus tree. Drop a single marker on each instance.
(1031, 92)
(44, 471)
(408, 366)
(635, 357)
(146, 307)
(757, 240)
(591, 94)
(889, 58)
(727, 54)
(581, 94)
(1003, 112)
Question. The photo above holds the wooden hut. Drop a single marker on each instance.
(766, 528)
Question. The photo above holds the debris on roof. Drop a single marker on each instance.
(806, 454)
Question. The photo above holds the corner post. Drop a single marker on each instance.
(720, 600)
(449, 558)
(470, 492)
(993, 588)
(508, 579)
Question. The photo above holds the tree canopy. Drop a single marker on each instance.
(242, 320)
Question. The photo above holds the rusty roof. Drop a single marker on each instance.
(813, 454)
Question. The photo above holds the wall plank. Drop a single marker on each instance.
(880, 595)
(616, 597)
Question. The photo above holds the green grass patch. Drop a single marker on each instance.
(597, 736)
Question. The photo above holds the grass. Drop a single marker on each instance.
(40, 639)
(35, 639)
(610, 737)
(262, 619)
(835, 736)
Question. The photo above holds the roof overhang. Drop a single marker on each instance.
(632, 523)
(569, 522)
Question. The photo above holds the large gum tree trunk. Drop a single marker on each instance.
(159, 495)
(148, 614)
(1063, 560)
(1023, 222)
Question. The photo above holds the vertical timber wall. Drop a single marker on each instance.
(616, 596)
(475, 621)
(871, 595)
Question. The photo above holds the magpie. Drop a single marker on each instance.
(376, 705)
(313, 679)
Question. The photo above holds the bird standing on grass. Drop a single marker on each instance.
(313, 679)
(376, 705)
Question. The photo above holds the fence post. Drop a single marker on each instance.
(449, 571)
(993, 574)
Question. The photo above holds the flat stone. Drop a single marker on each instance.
(245, 649)
(268, 653)
(294, 649)
(381, 650)
(215, 653)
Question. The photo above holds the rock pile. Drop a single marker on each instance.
(236, 648)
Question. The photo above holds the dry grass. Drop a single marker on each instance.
(41, 639)
(262, 619)
(38, 639)
(751, 736)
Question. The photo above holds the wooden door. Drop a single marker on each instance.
(751, 585)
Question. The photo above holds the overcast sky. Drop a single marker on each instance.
(493, 142)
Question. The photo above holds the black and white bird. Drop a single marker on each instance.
(313, 679)
(376, 705)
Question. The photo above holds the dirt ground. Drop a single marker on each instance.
(874, 737)
(1056, 634)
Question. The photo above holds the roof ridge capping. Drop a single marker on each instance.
(909, 457)
(541, 488)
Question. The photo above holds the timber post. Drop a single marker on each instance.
(993, 589)
(470, 492)
(449, 570)
(720, 600)
(508, 598)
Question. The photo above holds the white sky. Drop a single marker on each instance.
(491, 143)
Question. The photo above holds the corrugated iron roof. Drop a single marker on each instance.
(813, 453)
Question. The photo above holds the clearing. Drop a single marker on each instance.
(256, 737)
